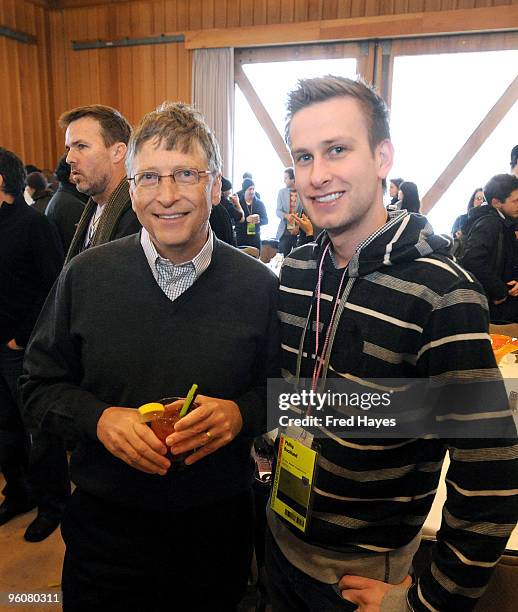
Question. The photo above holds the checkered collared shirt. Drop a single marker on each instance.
(172, 278)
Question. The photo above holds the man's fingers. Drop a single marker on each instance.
(407, 582)
(355, 582)
(146, 458)
(202, 439)
(140, 454)
(196, 415)
(145, 465)
(182, 436)
(202, 452)
(352, 595)
(149, 438)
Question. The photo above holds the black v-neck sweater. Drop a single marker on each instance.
(108, 336)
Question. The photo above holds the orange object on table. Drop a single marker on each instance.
(502, 345)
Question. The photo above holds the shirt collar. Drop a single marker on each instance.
(200, 262)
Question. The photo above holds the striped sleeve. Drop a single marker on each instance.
(481, 507)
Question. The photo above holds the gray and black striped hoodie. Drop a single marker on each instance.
(408, 310)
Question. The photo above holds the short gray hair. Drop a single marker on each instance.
(179, 126)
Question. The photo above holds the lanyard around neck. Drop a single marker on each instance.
(319, 359)
(322, 362)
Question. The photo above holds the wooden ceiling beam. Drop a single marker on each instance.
(262, 116)
(431, 23)
(65, 4)
(48, 4)
(485, 128)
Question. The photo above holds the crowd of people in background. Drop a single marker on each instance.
(114, 184)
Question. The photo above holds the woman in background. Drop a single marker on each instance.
(459, 225)
(409, 197)
(394, 190)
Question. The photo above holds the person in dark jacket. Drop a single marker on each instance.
(491, 245)
(231, 203)
(31, 258)
(248, 231)
(221, 224)
(476, 199)
(224, 214)
(141, 326)
(39, 191)
(66, 205)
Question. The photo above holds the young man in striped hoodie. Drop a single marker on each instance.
(388, 303)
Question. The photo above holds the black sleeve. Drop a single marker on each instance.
(234, 214)
(262, 213)
(479, 256)
(50, 386)
(47, 257)
(304, 238)
(253, 404)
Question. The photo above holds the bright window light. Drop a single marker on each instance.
(437, 102)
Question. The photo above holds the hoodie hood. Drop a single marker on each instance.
(481, 211)
(486, 210)
(404, 238)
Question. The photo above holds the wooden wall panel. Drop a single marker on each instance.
(132, 79)
(24, 74)
(43, 80)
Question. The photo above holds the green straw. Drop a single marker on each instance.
(188, 400)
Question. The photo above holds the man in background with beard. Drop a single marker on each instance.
(96, 138)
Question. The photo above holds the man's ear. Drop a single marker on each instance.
(1, 181)
(118, 152)
(384, 157)
(131, 189)
(495, 203)
(215, 192)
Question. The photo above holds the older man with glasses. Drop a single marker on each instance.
(140, 319)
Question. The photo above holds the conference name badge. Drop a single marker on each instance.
(292, 492)
(250, 229)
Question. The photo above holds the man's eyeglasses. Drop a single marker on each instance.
(182, 176)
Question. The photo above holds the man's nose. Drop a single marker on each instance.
(167, 190)
(320, 172)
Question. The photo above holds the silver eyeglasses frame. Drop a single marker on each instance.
(177, 177)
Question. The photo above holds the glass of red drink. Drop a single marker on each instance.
(163, 426)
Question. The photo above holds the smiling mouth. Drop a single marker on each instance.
(171, 216)
(330, 197)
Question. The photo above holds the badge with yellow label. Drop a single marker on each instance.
(250, 229)
(293, 483)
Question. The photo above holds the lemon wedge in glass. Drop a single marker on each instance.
(149, 411)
